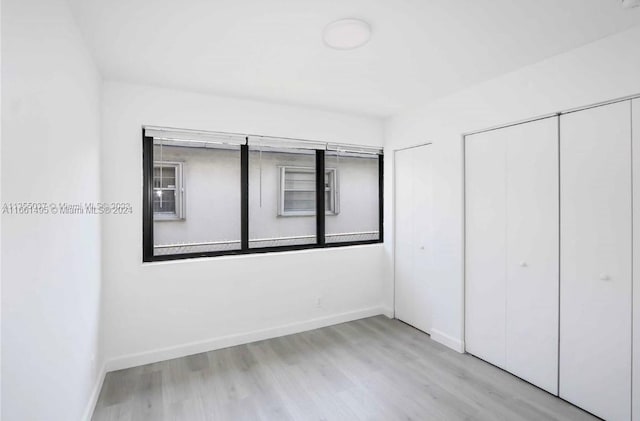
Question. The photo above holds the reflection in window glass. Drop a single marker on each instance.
(196, 199)
(356, 215)
(282, 197)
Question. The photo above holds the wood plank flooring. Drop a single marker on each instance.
(370, 369)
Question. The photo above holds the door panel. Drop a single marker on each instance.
(485, 246)
(404, 249)
(423, 238)
(413, 250)
(595, 295)
(532, 252)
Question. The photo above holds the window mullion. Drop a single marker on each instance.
(320, 205)
(244, 197)
(381, 197)
(147, 199)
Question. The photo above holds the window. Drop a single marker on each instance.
(359, 208)
(297, 191)
(196, 198)
(167, 190)
(275, 197)
(211, 194)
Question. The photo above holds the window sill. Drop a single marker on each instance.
(157, 218)
(328, 213)
(235, 254)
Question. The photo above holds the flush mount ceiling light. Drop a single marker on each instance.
(347, 34)
(630, 3)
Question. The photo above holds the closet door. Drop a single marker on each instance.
(532, 252)
(423, 238)
(512, 249)
(636, 259)
(485, 245)
(413, 239)
(595, 295)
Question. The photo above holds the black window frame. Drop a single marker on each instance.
(147, 207)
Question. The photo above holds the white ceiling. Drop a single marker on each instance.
(273, 49)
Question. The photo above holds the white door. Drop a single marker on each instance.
(511, 282)
(636, 259)
(532, 252)
(485, 245)
(595, 253)
(413, 236)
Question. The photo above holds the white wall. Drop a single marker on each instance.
(606, 69)
(158, 310)
(51, 264)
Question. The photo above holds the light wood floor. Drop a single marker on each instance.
(374, 369)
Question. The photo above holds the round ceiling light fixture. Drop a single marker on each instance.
(347, 34)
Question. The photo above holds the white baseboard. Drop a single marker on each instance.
(148, 357)
(448, 341)
(95, 393)
(388, 311)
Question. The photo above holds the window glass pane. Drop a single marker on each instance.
(282, 200)
(204, 191)
(356, 198)
(164, 176)
(330, 193)
(164, 201)
(300, 179)
(300, 201)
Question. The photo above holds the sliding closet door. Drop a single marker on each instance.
(595, 311)
(636, 259)
(485, 245)
(414, 236)
(532, 252)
